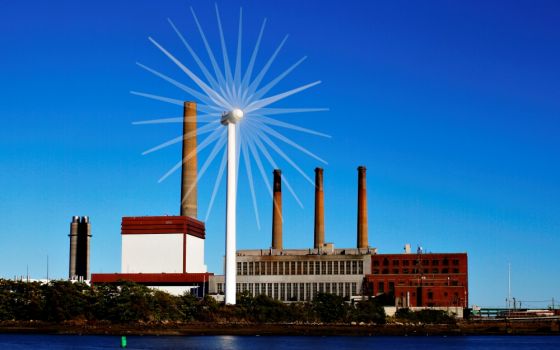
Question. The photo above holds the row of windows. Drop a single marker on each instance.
(415, 262)
(294, 291)
(396, 271)
(251, 268)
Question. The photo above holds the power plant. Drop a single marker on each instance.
(167, 252)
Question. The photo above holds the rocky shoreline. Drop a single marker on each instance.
(494, 327)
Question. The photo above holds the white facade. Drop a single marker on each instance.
(195, 255)
(162, 253)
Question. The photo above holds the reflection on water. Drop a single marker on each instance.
(39, 342)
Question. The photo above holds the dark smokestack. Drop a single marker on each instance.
(277, 211)
(362, 209)
(80, 237)
(83, 249)
(189, 170)
(319, 209)
(73, 247)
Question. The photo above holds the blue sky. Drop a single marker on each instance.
(453, 107)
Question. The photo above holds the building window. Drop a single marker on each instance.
(445, 262)
(301, 295)
(342, 271)
(304, 267)
(251, 268)
(323, 267)
(317, 267)
(314, 290)
(276, 296)
(435, 270)
(455, 262)
(406, 263)
(347, 289)
(292, 268)
(321, 288)
(308, 291)
(268, 268)
(385, 271)
(257, 289)
(385, 262)
(335, 270)
(238, 287)
(263, 288)
(328, 288)
(280, 267)
(430, 295)
(274, 267)
(455, 270)
(269, 293)
(220, 288)
(341, 289)
(245, 268)
(435, 262)
(380, 287)
(283, 291)
(404, 270)
(299, 268)
(289, 291)
(391, 286)
(425, 262)
(395, 271)
(375, 262)
(360, 267)
(244, 287)
(329, 264)
(395, 263)
(354, 289)
(445, 270)
(238, 268)
(348, 270)
(311, 269)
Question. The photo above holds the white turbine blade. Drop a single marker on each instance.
(249, 171)
(249, 71)
(208, 161)
(275, 122)
(273, 83)
(237, 74)
(183, 87)
(227, 67)
(158, 98)
(192, 153)
(207, 90)
(217, 71)
(201, 65)
(269, 142)
(216, 184)
(270, 100)
(255, 84)
(260, 166)
(283, 138)
(202, 130)
(276, 111)
(268, 157)
(200, 118)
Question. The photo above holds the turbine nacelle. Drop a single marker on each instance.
(232, 117)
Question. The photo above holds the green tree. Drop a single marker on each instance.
(330, 307)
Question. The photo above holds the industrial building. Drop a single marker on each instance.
(167, 252)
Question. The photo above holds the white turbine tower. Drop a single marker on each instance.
(229, 119)
(239, 101)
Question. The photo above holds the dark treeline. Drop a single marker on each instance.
(127, 302)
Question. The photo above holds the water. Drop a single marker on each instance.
(38, 342)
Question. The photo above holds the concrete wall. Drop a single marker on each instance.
(152, 253)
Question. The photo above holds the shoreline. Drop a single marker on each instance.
(497, 327)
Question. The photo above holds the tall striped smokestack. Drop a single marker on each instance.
(73, 247)
(189, 170)
(319, 209)
(277, 211)
(362, 209)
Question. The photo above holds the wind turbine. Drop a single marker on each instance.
(239, 101)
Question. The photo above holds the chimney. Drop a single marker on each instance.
(319, 209)
(362, 209)
(73, 247)
(189, 168)
(277, 211)
(80, 237)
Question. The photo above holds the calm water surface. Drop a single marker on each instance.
(9, 341)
